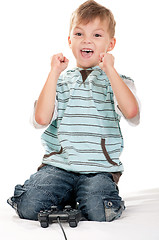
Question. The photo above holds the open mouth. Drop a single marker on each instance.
(87, 53)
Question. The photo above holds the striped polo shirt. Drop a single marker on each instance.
(85, 137)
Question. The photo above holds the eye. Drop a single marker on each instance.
(97, 35)
(78, 34)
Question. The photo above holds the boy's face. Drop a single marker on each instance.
(87, 41)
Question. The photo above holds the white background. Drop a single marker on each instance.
(31, 31)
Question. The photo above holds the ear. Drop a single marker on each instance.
(69, 41)
(111, 44)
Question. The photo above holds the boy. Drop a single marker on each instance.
(83, 141)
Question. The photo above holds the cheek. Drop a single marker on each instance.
(100, 47)
(75, 51)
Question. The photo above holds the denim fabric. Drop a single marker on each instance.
(96, 194)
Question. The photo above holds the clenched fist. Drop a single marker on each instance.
(106, 61)
(59, 63)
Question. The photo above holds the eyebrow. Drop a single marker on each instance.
(78, 28)
(98, 29)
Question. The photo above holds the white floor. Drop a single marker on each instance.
(140, 221)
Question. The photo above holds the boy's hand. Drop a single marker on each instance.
(59, 63)
(106, 61)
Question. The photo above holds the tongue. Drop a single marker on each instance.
(86, 55)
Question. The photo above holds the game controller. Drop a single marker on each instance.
(72, 216)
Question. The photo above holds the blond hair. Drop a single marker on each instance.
(90, 10)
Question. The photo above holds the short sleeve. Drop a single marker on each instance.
(130, 83)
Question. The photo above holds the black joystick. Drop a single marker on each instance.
(72, 216)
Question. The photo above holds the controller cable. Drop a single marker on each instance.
(58, 220)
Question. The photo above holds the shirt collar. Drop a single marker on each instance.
(90, 68)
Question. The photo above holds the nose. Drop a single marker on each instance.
(86, 40)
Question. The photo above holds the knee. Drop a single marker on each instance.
(28, 209)
(93, 209)
(26, 205)
(98, 209)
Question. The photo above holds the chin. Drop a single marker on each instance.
(86, 65)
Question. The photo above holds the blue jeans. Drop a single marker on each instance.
(96, 194)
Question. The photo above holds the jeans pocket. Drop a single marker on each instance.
(113, 209)
(18, 192)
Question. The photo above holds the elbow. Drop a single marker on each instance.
(41, 120)
(133, 111)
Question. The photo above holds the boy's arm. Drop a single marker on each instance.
(127, 102)
(46, 101)
(32, 117)
(135, 120)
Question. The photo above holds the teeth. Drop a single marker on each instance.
(87, 50)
